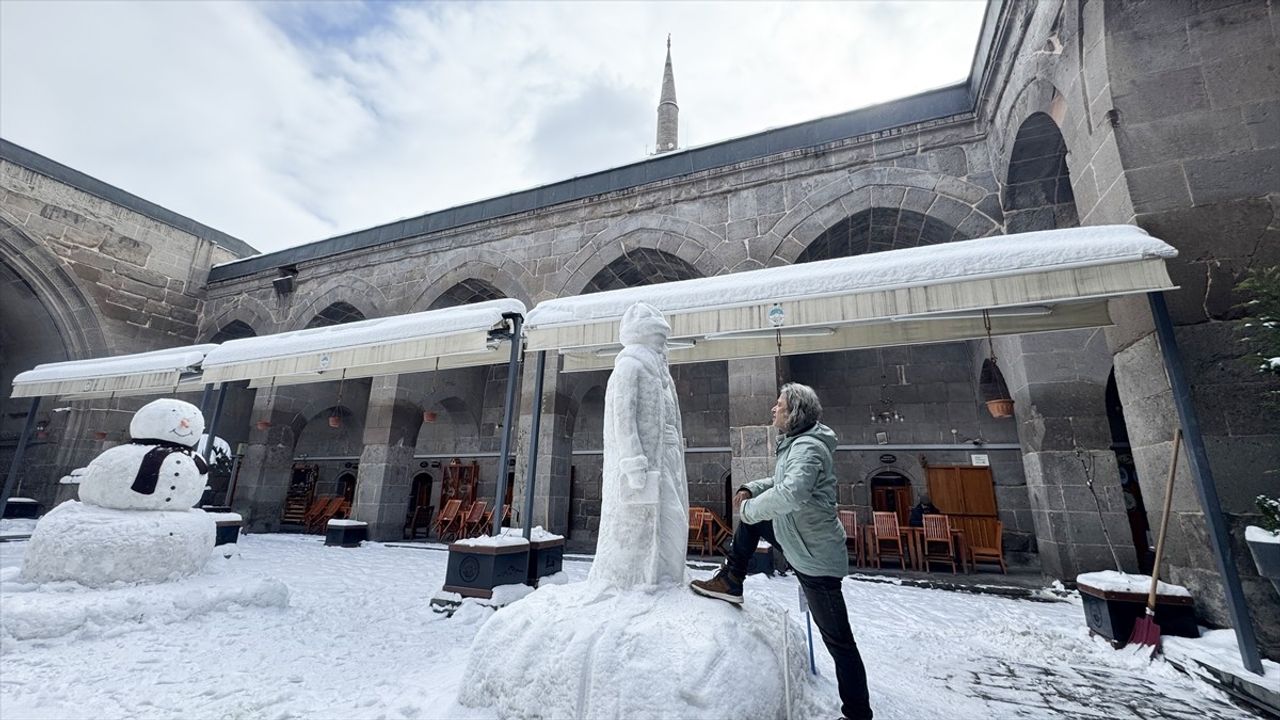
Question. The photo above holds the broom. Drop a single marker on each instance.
(1145, 630)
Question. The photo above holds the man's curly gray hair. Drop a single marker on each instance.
(803, 408)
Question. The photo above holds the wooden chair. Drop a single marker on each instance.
(986, 543)
(717, 531)
(473, 523)
(939, 546)
(888, 538)
(852, 533)
(697, 529)
(328, 511)
(316, 507)
(486, 522)
(419, 519)
(447, 519)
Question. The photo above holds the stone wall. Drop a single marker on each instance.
(88, 276)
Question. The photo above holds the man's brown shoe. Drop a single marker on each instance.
(726, 585)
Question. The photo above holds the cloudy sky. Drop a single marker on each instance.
(283, 123)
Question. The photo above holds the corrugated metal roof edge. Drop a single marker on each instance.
(38, 163)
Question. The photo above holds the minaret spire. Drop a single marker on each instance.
(668, 110)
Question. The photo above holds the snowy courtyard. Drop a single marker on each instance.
(359, 640)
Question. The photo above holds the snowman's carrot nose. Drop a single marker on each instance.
(184, 424)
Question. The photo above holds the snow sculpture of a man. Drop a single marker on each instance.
(644, 514)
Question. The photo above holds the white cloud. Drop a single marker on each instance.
(286, 123)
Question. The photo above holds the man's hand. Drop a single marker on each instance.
(738, 497)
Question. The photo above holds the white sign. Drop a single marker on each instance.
(777, 315)
(980, 460)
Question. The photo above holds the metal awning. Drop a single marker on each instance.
(149, 373)
(1022, 283)
(452, 337)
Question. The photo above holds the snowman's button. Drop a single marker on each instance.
(167, 499)
(173, 487)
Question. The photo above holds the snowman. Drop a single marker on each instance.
(158, 470)
(134, 521)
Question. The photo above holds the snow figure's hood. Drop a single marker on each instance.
(640, 321)
(168, 420)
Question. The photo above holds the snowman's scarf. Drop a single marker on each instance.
(144, 483)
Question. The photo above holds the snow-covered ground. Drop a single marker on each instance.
(359, 640)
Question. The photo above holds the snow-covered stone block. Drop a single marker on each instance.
(582, 651)
(98, 546)
(346, 533)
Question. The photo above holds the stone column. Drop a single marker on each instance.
(1243, 446)
(1058, 382)
(386, 463)
(267, 465)
(753, 389)
(555, 448)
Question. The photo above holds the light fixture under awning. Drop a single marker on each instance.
(460, 336)
(150, 373)
(1029, 282)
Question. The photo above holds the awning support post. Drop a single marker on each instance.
(531, 471)
(11, 480)
(504, 450)
(212, 428)
(1202, 475)
(205, 397)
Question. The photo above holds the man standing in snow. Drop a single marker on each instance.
(796, 509)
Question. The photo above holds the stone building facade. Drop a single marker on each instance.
(88, 270)
(1165, 115)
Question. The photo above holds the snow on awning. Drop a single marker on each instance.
(149, 373)
(452, 337)
(1028, 282)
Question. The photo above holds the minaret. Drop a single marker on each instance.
(668, 110)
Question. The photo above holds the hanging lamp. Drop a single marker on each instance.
(991, 384)
(335, 417)
(430, 416)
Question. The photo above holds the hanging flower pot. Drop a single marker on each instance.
(1002, 408)
(429, 416)
(335, 421)
(994, 391)
(263, 424)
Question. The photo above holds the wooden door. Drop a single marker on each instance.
(967, 494)
(892, 498)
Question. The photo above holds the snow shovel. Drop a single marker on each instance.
(1145, 630)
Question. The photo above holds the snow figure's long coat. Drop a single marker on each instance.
(644, 513)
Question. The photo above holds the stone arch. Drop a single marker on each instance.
(640, 266)
(1037, 192)
(466, 292)
(74, 314)
(692, 243)
(494, 270)
(962, 205)
(245, 309)
(234, 330)
(875, 230)
(456, 409)
(336, 313)
(311, 429)
(363, 296)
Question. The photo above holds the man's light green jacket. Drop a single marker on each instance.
(800, 499)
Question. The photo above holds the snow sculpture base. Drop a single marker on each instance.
(97, 546)
(579, 651)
